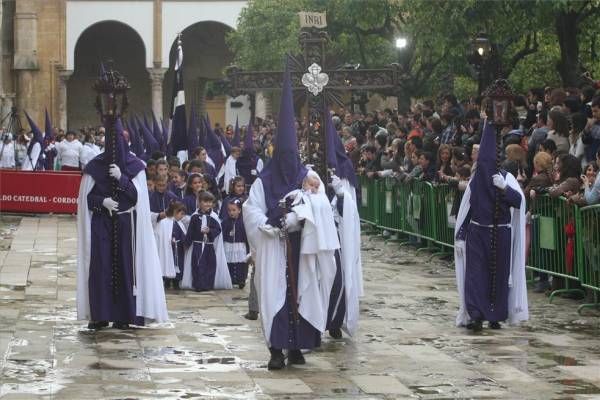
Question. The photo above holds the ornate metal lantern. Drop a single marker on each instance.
(499, 103)
(111, 93)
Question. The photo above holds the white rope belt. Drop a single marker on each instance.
(490, 226)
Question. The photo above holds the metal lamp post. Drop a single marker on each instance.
(401, 43)
(481, 49)
(498, 105)
(111, 103)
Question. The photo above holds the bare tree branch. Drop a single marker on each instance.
(531, 46)
(582, 14)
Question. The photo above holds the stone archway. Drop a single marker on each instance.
(100, 42)
(206, 55)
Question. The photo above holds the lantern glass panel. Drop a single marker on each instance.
(500, 109)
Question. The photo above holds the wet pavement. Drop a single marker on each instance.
(407, 346)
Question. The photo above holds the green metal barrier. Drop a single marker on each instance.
(444, 197)
(388, 212)
(421, 210)
(588, 250)
(550, 217)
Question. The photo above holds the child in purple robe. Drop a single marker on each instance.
(195, 184)
(237, 191)
(160, 198)
(202, 232)
(170, 235)
(235, 243)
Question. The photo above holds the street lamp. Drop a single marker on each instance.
(481, 49)
(111, 102)
(401, 43)
(498, 106)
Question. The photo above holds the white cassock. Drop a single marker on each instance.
(228, 172)
(518, 309)
(164, 242)
(149, 290)
(222, 277)
(68, 152)
(87, 153)
(31, 159)
(316, 268)
(7, 155)
(350, 257)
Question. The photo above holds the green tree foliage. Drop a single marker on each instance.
(532, 46)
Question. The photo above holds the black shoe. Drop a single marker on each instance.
(335, 333)
(166, 283)
(475, 326)
(277, 360)
(97, 325)
(251, 315)
(495, 325)
(121, 325)
(242, 285)
(176, 284)
(295, 357)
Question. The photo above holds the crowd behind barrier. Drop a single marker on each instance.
(564, 238)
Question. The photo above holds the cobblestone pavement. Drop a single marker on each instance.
(407, 345)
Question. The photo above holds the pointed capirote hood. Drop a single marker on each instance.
(129, 164)
(136, 142)
(213, 145)
(150, 143)
(38, 137)
(482, 188)
(48, 129)
(337, 158)
(192, 133)
(236, 141)
(157, 133)
(284, 172)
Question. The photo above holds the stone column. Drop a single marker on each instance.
(25, 58)
(156, 79)
(63, 78)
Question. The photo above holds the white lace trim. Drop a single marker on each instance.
(235, 252)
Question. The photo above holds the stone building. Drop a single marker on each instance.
(51, 51)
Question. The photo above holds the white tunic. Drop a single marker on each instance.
(7, 155)
(68, 152)
(316, 266)
(87, 153)
(518, 309)
(349, 232)
(31, 159)
(149, 290)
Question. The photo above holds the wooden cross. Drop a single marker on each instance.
(313, 40)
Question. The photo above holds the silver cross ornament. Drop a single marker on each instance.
(314, 79)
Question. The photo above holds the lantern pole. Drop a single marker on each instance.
(111, 102)
(499, 109)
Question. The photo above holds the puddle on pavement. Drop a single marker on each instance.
(577, 386)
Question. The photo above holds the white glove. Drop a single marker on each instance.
(337, 185)
(114, 171)
(110, 205)
(253, 172)
(499, 181)
(269, 230)
(291, 220)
